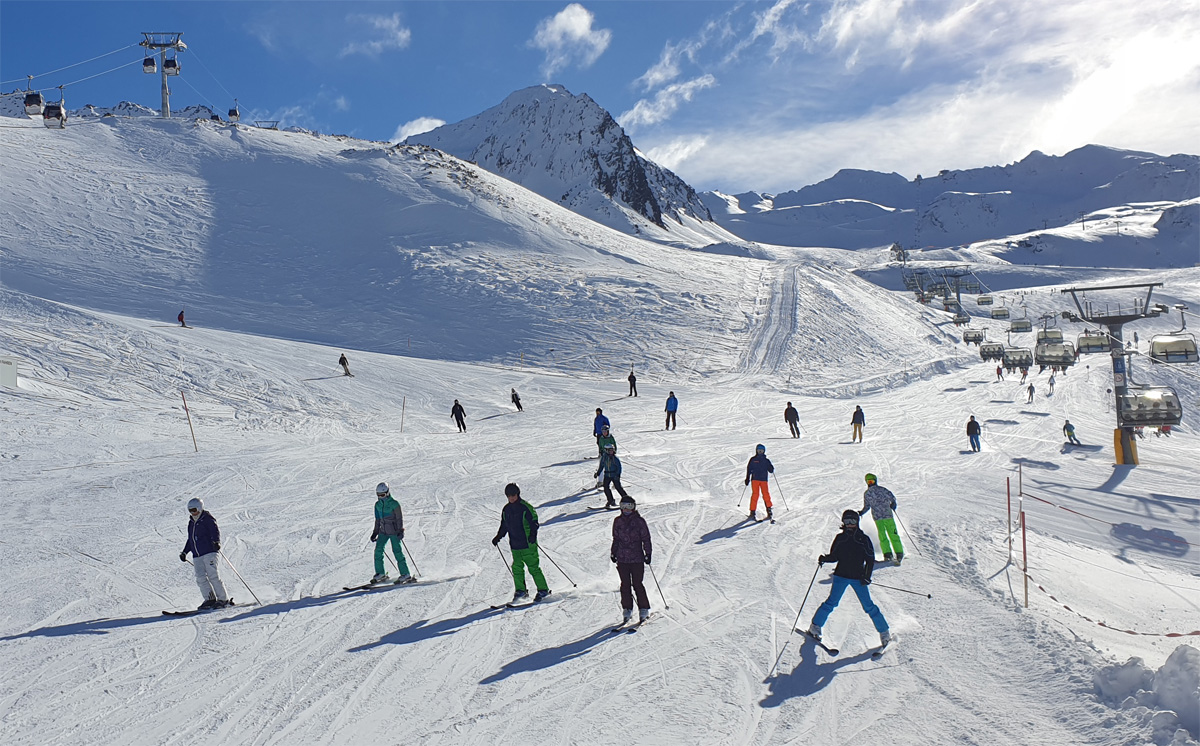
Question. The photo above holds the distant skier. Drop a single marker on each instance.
(1051, 383)
(181, 321)
(630, 552)
(389, 527)
(517, 400)
(1030, 390)
(598, 426)
(460, 416)
(672, 408)
(632, 383)
(973, 434)
(1069, 431)
(1024, 374)
(855, 557)
(519, 521)
(857, 421)
(999, 373)
(758, 469)
(881, 502)
(610, 468)
(792, 418)
(342, 361)
(204, 542)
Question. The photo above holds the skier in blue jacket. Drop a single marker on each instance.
(610, 467)
(204, 542)
(672, 408)
(598, 426)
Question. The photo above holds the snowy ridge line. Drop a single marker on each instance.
(1101, 520)
(1109, 626)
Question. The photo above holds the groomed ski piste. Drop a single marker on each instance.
(98, 464)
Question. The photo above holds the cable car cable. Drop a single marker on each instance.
(68, 67)
(106, 72)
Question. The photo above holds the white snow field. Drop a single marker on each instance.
(288, 249)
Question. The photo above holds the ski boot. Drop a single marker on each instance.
(541, 595)
(627, 614)
(520, 596)
(643, 615)
(770, 515)
(885, 638)
(406, 578)
(899, 558)
(379, 577)
(887, 556)
(209, 603)
(814, 632)
(754, 515)
(610, 505)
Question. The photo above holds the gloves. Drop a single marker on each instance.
(647, 560)
(495, 541)
(596, 475)
(216, 546)
(183, 556)
(747, 482)
(865, 581)
(532, 539)
(401, 534)
(822, 560)
(613, 557)
(374, 537)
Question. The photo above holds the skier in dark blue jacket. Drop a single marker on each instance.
(854, 554)
(598, 426)
(672, 408)
(519, 522)
(757, 471)
(204, 542)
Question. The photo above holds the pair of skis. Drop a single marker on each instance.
(625, 626)
(194, 612)
(875, 654)
(385, 584)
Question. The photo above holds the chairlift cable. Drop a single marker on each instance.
(214, 77)
(42, 75)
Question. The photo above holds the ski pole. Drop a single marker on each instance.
(743, 495)
(905, 530)
(416, 570)
(798, 612)
(568, 577)
(781, 495)
(902, 590)
(659, 587)
(235, 572)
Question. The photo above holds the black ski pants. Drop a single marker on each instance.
(616, 482)
(462, 425)
(632, 574)
(795, 428)
(670, 421)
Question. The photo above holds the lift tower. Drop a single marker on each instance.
(162, 41)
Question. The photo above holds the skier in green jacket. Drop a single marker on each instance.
(389, 526)
(520, 522)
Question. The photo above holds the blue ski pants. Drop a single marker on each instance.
(840, 585)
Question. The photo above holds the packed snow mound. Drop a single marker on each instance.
(1170, 696)
(985, 204)
(570, 150)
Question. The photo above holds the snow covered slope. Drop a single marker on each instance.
(570, 150)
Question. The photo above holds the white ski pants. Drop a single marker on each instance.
(208, 578)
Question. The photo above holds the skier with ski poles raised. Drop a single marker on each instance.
(855, 557)
(630, 552)
(204, 542)
(519, 521)
(757, 471)
(792, 418)
(610, 467)
(881, 502)
(389, 527)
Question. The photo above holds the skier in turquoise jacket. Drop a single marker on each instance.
(389, 526)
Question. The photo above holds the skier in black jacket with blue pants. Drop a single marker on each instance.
(854, 554)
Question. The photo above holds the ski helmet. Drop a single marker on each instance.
(871, 479)
(196, 504)
(382, 489)
(627, 503)
(512, 490)
(850, 516)
(760, 448)
(610, 447)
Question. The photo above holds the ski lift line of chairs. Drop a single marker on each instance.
(1151, 406)
(1091, 342)
(1017, 326)
(1017, 357)
(991, 351)
(1061, 354)
(973, 336)
(1174, 348)
(984, 300)
(1050, 335)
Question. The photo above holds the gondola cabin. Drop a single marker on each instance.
(1017, 326)
(149, 65)
(234, 114)
(1017, 357)
(1151, 406)
(34, 103)
(991, 351)
(1174, 348)
(54, 116)
(171, 66)
(1000, 313)
(1091, 342)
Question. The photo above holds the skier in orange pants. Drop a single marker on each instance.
(757, 471)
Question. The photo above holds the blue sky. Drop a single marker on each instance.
(731, 95)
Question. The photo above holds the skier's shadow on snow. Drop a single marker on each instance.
(567, 499)
(564, 517)
(326, 378)
(808, 677)
(1071, 447)
(1035, 414)
(1002, 422)
(90, 627)
(725, 532)
(576, 462)
(425, 630)
(494, 416)
(547, 657)
(1047, 465)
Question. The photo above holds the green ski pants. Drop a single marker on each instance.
(380, 545)
(889, 540)
(523, 558)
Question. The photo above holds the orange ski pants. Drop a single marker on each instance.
(755, 488)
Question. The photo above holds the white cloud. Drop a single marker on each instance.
(416, 127)
(341, 103)
(568, 38)
(670, 155)
(665, 102)
(392, 34)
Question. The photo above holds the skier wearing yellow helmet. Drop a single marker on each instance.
(881, 502)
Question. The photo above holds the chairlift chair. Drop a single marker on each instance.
(1017, 357)
(1090, 342)
(1049, 335)
(1149, 406)
(1174, 348)
(1061, 354)
(973, 336)
(171, 66)
(992, 351)
(149, 65)
(1020, 325)
(34, 103)
(54, 116)
(984, 300)
(970, 286)
(961, 318)
(1000, 312)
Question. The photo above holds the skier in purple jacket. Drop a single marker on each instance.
(631, 553)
